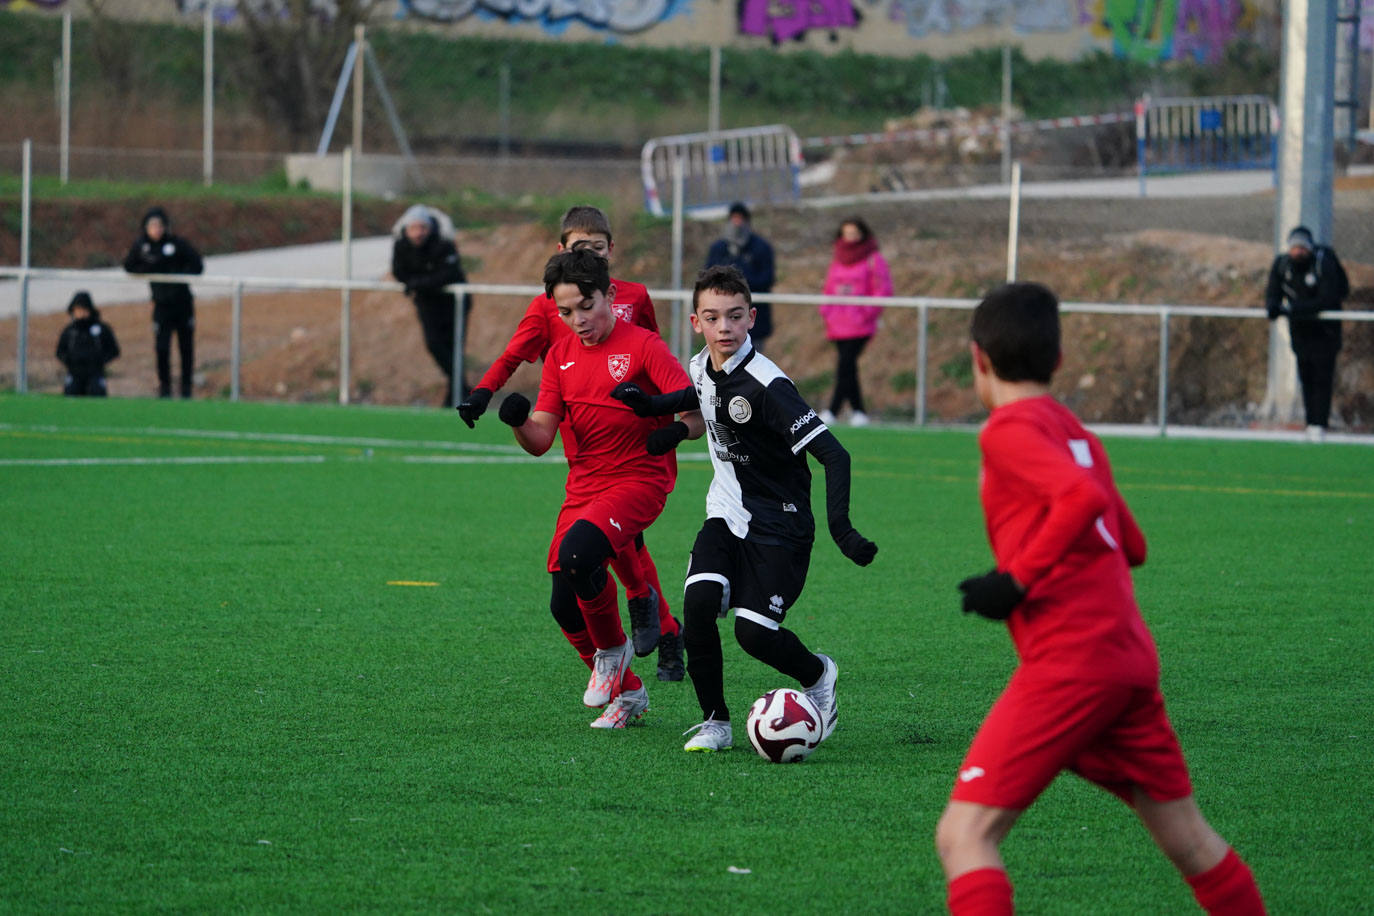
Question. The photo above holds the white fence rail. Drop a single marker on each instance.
(236, 287)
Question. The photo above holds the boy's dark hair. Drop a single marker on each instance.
(1017, 326)
(583, 219)
(864, 229)
(722, 278)
(579, 266)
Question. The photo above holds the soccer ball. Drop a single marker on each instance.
(784, 725)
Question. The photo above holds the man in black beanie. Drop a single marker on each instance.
(748, 252)
(158, 251)
(1308, 278)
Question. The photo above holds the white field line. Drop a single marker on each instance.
(186, 459)
(293, 438)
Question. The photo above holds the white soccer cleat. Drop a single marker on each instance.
(630, 705)
(858, 419)
(827, 418)
(608, 667)
(822, 693)
(711, 735)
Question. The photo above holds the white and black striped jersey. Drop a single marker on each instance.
(757, 426)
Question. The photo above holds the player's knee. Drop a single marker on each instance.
(701, 606)
(563, 604)
(754, 638)
(582, 555)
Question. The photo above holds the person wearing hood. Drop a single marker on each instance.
(158, 251)
(744, 249)
(857, 269)
(85, 346)
(425, 259)
(1306, 279)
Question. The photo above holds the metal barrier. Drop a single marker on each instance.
(752, 164)
(924, 304)
(1205, 134)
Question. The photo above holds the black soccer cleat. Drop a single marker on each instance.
(644, 628)
(670, 666)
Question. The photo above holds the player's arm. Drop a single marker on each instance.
(667, 375)
(529, 342)
(534, 432)
(825, 448)
(656, 405)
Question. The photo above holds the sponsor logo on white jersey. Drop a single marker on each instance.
(619, 364)
(971, 773)
(740, 411)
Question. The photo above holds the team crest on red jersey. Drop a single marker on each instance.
(623, 310)
(619, 364)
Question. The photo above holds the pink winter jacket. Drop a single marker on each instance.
(869, 277)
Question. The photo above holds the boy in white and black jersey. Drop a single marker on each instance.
(753, 552)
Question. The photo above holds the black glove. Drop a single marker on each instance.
(662, 441)
(1274, 310)
(633, 397)
(515, 410)
(474, 406)
(992, 595)
(857, 547)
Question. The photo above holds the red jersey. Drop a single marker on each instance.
(541, 327)
(576, 387)
(1057, 523)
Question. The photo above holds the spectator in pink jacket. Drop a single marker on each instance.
(857, 269)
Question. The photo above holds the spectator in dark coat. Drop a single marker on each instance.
(742, 248)
(158, 251)
(425, 258)
(1305, 280)
(85, 347)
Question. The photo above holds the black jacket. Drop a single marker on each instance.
(427, 268)
(1300, 291)
(754, 259)
(169, 255)
(85, 346)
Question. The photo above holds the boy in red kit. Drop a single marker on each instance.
(1086, 695)
(615, 488)
(582, 227)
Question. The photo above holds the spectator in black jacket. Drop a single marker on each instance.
(84, 347)
(158, 251)
(742, 248)
(425, 258)
(1303, 281)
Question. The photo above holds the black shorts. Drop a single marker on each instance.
(760, 581)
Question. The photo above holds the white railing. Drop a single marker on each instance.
(680, 298)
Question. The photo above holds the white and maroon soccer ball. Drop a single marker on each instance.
(785, 725)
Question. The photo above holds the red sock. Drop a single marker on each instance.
(630, 681)
(1228, 888)
(666, 623)
(582, 642)
(602, 614)
(981, 892)
(630, 573)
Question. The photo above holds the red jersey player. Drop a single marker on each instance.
(1086, 695)
(584, 227)
(615, 488)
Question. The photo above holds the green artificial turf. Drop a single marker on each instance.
(211, 699)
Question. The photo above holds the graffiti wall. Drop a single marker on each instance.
(1144, 30)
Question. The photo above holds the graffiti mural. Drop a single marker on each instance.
(922, 18)
(1153, 30)
(785, 20)
(553, 15)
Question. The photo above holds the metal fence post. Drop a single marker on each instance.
(21, 383)
(1163, 370)
(921, 356)
(236, 342)
(208, 100)
(681, 342)
(346, 307)
(459, 343)
(65, 156)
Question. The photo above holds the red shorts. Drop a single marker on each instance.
(622, 511)
(1114, 735)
